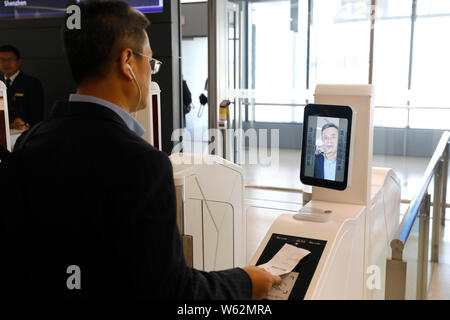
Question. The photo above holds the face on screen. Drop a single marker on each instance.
(326, 146)
(330, 142)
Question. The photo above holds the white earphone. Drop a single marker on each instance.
(131, 69)
(137, 83)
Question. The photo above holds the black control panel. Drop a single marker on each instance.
(305, 268)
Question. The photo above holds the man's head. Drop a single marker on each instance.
(330, 140)
(105, 55)
(9, 60)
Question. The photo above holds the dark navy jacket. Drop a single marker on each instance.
(98, 197)
(318, 166)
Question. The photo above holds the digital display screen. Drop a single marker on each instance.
(326, 143)
(15, 9)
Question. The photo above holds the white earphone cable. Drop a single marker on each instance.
(139, 87)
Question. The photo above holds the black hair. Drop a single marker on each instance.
(329, 125)
(107, 27)
(9, 48)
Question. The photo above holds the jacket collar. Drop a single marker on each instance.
(16, 77)
(84, 109)
(129, 120)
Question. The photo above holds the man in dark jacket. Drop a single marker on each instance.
(99, 212)
(25, 93)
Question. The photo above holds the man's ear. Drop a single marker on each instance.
(125, 61)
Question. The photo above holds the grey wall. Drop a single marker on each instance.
(165, 40)
(387, 141)
(194, 28)
(194, 17)
(39, 42)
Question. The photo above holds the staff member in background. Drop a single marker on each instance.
(97, 196)
(25, 93)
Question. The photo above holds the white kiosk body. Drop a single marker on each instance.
(212, 205)
(211, 200)
(348, 231)
(4, 118)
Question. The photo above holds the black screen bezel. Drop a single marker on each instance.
(332, 111)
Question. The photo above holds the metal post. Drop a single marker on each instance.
(306, 194)
(444, 184)
(395, 287)
(212, 66)
(436, 212)
(179, 190)
(422, 261)
(188, 250)
(372, 38)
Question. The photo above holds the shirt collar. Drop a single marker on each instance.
(130, 121)
(13, 77)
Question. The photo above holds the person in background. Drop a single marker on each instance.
(187, 101)
(25, 93)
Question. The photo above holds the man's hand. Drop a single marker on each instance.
(262, 281)
(19, 124)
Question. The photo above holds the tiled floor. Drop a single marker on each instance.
(284, 173)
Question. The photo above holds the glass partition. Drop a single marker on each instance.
(285, 48)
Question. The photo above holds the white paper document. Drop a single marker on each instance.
(285, 260)
(283, 291)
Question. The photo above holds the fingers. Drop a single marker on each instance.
(276, 280)
(262, 281)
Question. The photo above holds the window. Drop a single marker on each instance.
(431, 56)
(278, 59)
(391, 53)
(295, 45)
(340, 41)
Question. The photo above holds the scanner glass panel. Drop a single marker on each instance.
(305, 268)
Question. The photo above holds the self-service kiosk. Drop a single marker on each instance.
(210, 193)
(347, 226)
